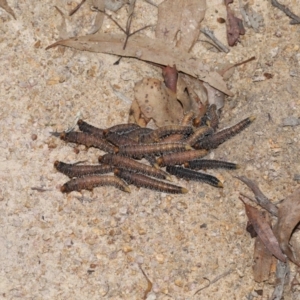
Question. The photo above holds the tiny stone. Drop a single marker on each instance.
(160, 258)
(290, 121)
(33, 136)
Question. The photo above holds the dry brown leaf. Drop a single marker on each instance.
(262, 258)
(234, 26)
(147, 49)
(156, 102)
(288, 218)
(264, 231)
(100, 4)
(179, 22)
(192, 95)
(7, 8)
(136, 115)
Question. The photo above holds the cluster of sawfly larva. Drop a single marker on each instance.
(179, 148)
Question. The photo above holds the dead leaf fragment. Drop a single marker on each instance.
(234, 26)
(147, 49)
(7, 8)
(264, 231)
(148, 94)
(288, 219)
(100, 4)
(179, 22)
(262, 258)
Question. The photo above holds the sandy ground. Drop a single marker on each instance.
(90, 245)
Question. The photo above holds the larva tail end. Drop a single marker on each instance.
(169, 178)
(238, 166)
(220, 184)
(184, 190)
(188, 147)
(127, 189)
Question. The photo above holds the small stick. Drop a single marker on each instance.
(199, 164)
(194, 175)
(75, 170)
(130, 164)
(90, 182)
(179, 158)
(73, 11)
(210, 34)
(287, 11)
(140, 180)
(261, 199)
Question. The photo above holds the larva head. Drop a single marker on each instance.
(64, 189)
(63, 136)
(79, 122)
(56, 164)
(117, 172)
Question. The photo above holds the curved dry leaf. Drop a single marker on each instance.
(264, 231)
(288, 218)
(262, 257)
(7, 8)
(147, 49)
(192, 95)
(99, 15)
(157, 102)
(180, 17)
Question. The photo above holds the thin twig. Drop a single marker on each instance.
(210, 34)
(128, 24)
(73, 11)
(287, 11)
(210, 282)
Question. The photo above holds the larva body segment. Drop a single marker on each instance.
(121, 128)
(212, 117)
(179, 158)
(132, 165)
(75, 170)
(119, 140)
(161, 132)
(199, 164)
(198, 135)
(85, 127)
(187, 118)
(140, 180)
(194, 175)
(142, 150)
(212, 142)
(88, 140)
(138, 133)
(90, 182)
